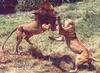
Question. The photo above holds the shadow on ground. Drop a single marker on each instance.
(57, 59)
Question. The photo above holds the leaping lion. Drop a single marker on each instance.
(45, 18)
(26, 31)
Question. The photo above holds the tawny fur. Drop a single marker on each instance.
(45, 18)
(46, 14)
(83, 54)
(26, 31)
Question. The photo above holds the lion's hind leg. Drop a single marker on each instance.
(80, 59)
(19, 37)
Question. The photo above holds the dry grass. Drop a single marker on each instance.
(50, 56)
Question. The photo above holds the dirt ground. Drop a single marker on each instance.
(33, 61)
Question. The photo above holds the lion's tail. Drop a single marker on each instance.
(96, 60)
(8, 38)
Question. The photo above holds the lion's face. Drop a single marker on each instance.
(67, 23)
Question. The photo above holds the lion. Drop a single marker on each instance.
(45, 19)
(26, 31)
(83, 54)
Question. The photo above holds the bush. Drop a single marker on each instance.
(27, 5)
(7, 6)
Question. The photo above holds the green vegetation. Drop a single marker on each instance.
(27, 5)
(86, 15)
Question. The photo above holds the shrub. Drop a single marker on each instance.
(27, 5)
(7, 6)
